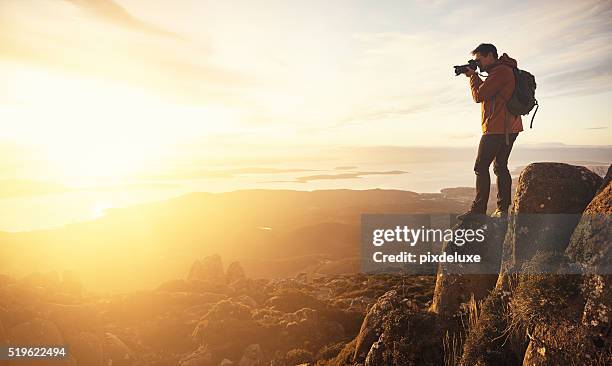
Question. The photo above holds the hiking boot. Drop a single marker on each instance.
(470, 215)
(500, 214)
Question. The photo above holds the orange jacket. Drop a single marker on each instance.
(493, 93)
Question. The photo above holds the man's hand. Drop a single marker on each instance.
(469, 72)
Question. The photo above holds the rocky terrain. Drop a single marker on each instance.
(212, 316)
(546, 302)
(550, 304)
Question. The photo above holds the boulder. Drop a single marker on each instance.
(591, 248)
(116, 352)
(252, 356)
(590, 242)
(371, 328)
(410, 337)
(209, 268)
(548, 203)
(234, 272)
(227, 328)
(487, 342)
(290, 300)
(199, 357)
(555, 188)
(549, 199)
(458, 283)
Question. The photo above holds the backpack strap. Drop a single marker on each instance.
(506, 127)
(534, 113)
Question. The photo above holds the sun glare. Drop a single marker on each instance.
(99, 132)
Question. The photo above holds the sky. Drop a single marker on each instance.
(96, 89)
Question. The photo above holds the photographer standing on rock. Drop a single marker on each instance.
(499, 128)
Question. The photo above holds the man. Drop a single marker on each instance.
(499, 129)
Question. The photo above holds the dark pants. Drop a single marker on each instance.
(493, 148)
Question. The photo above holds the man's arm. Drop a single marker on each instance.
(475, 83)
(482, 90)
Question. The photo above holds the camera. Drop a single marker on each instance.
(472, 64)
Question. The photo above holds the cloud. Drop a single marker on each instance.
(567, 46)
(390, 112)
(596, 128)
(224, 173)
(350, 175)
(112, 12)
(27, 188)
(112, 45)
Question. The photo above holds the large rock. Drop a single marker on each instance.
(566, 315)
(547, 205)
(396, 332)
(199, 357)
(586, 336)
(116, 352)
(487, 341)
(410, 337)
(252, 356)
(209, 268)
(234, 272)
(458, 283)
(371, 328)
(227, 328)
(590, 242)
(555, 188)
(549, 199)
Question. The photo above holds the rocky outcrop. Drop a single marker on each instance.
(590, 242)
(580, 330)
(551, 304)
(555, 188)
(116, 351)
(371, 327)
(208, 269)
(200, 357)
(538, 302)
(591, 247)
(252, 356)
(459, 283)
(234, 272)
(397, 332)
(549, 199)
(532, 309)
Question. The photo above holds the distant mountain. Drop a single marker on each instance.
(142, 245)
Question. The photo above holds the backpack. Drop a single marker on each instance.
(523, 98)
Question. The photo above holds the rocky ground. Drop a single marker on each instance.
(214, 316)
(549, 305)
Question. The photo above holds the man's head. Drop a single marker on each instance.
(485, 54)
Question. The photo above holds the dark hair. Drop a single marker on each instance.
(484, 49)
